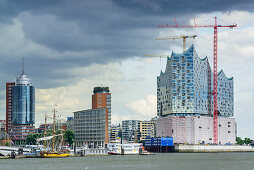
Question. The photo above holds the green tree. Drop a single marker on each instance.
(247, 141)
(239, 141)
(7, 143)
(69, 137)
(31, 138)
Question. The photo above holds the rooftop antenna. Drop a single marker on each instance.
(23, 71)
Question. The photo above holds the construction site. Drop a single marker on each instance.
(195, 102)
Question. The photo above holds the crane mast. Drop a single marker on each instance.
(215, 57)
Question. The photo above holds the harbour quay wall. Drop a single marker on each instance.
(92, 152)
(213, 148)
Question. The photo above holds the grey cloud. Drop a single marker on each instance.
(183, 7)
(64, 34)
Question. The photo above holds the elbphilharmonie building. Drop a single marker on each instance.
(185, 90)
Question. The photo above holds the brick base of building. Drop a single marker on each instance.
(196, 129)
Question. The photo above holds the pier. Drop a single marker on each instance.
(212, 148)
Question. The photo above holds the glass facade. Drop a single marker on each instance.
(23, 104)
(89, 126)
(128, 129)
(186, 87)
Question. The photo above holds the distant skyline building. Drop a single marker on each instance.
(23, 108)
(101, 98)
(114, 132)
(41, 128)
(128, 129)
(8, 101)
(2, 125)
(2, 129)
(146, 128)
(70, 123)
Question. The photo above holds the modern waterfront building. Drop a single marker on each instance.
(185, 87)
(185, 101)
(23, 108)
(8, 100)
(128, 129)
(101, 98)
(114, 132)
(90, 127)
(146, 128)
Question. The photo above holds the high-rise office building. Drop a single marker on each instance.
(101, 98)
(23, 108)
(8, 100)
(89, 127)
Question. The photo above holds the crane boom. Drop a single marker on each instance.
(215, 56)
(151, 55)
(179, 37)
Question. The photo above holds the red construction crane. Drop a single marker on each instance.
(215, 55)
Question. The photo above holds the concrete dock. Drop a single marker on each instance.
(213, 148)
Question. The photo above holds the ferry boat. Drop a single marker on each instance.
(125, 148)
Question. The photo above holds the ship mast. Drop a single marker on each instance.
(45, 131)
(54, 127)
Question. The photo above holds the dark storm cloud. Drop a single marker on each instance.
(79, 33)
(183, 7)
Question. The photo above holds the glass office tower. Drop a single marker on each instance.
(23, 108)
(23, 101)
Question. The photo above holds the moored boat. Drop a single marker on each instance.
(54, 154)
(125, 149)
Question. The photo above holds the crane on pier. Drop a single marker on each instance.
(184, 37)
(215, 27)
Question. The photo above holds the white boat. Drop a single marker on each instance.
(124, 149)
(6, 150)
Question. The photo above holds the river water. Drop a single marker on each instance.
(158, 161)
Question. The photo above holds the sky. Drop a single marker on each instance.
(70, 47)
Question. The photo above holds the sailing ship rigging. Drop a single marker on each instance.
(56, 148)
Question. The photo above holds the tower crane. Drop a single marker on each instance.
(215, 27)
(151, 55)
(179, 37)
